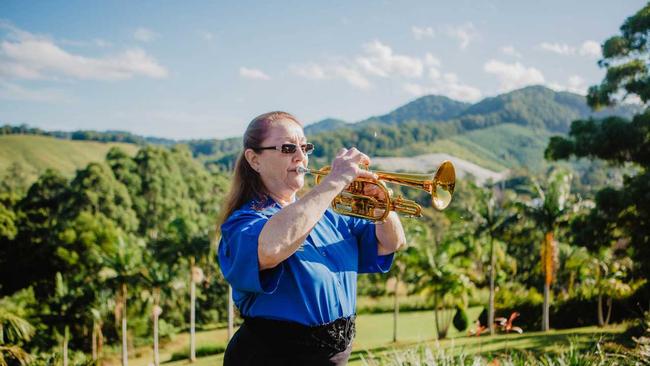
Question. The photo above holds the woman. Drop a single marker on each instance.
(293, 263)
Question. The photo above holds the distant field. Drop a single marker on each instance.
(37, 153)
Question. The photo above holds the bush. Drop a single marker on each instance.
(385, 304)
(460, 319)
(201, 351)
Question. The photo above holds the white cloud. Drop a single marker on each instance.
(431, 60)
(253, 74)
(511, 51)
(145, 35)
(42, 59)
(379, 60)
(575, 84)
(352, 76)
(590, 48)
(310, 71)
(422, 32)
(559, 48)
(465, 34)
(513, 76)
(460, 92)
(444, 84)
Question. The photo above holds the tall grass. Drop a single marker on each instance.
(572, 356)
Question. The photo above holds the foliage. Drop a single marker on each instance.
(622, 214)
(201, 351)
(572, 355)
(460, 319)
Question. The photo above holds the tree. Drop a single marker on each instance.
(61, 303)
(38, 218)
(183, 243)
(13, 331)
(95, 190)
(493, 214)
(623, 213)
(551, 208)
(122, 268)
(441, 273)
(157, 276)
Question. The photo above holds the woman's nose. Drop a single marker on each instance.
(300, 155)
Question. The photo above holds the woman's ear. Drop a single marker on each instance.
(253, 159)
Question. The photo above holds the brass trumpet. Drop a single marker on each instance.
(353, 202)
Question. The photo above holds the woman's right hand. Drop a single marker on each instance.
(346, 166)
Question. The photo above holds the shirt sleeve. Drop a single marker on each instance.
(369, 259)
(238, 257)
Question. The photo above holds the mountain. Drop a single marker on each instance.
(506, 131)
(327, 124)
(429, 108)
(537, 107)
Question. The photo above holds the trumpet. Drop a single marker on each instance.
(353, 202)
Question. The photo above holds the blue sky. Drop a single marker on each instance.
(204, 69)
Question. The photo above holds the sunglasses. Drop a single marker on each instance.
(307, 148)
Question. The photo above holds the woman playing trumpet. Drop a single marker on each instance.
(292, 262)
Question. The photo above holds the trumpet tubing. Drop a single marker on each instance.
(354, 202)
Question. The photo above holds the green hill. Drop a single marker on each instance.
(496, 148)
(36, 153)
(327, 124)
(428, 108)
(537, 107)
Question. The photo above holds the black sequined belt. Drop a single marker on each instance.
(330, 338)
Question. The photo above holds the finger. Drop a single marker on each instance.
(361, 158)
(365, 159)
(341, 152)
(352, 152)
(367, 174)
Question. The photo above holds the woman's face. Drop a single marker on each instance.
(278, 169)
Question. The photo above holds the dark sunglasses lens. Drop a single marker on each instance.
(308, 148)
(289, 148)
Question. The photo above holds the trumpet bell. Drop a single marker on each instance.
(444, 183)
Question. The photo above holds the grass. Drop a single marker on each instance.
(374, 334)
(37, 153)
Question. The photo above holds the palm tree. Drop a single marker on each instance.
(183, 242)
(609, 278)
(157, 276)
(494, 215)
(442, 275)
(123, 267)
(549, 209)
(98, 312)
(13, 331)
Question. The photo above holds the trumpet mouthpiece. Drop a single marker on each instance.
(302, 170)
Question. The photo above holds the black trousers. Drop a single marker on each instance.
(272, 342)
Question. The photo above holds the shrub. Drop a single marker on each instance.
(460, 319)
(201, 351)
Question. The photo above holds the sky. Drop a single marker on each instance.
(204, 69)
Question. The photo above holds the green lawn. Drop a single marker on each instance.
(375, 331)
(37, 153)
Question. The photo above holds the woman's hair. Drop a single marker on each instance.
(246, 182)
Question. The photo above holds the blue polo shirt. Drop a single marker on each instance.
(315, 285)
